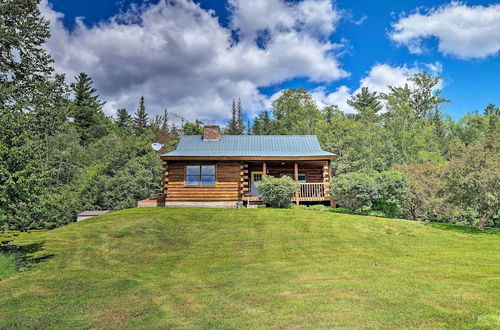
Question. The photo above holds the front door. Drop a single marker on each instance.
(256, 177)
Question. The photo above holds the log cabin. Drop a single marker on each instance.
(214, 170)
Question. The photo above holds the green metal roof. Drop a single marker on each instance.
(250, 145)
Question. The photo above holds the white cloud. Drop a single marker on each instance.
(179, 56)
(461, 30)
(383, 75)
(377, 79)
(338, 97)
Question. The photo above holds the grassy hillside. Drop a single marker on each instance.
(215, 268)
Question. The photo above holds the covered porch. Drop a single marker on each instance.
(313, 177)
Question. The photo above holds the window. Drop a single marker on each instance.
(302, 177)
(200, 175)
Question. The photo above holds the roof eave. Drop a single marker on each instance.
(318, 157)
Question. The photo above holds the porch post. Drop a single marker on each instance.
(296, 176)
(330, 176)
(264, 168)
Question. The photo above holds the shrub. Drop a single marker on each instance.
(392, 189)
(354, 190)
(277, 192)
(385, 191)
(426, 196)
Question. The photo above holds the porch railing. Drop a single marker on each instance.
(312, 191)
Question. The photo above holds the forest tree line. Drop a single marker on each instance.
(61, 154)
(399, 153)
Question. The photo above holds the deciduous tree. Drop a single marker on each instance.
(474, 178)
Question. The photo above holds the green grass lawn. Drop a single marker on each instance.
(254, 268)
(7, 265)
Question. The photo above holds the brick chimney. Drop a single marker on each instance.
(211, 133)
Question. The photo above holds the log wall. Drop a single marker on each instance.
(232, 179)
(227, 183)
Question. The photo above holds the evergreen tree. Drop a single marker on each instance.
(164, 134)
(240, 125)
(141, 118)
(124, 119)
(420, 95)
(33, 104)
(412, 112)
(24, 63)
(491, 109)
(86, 110)
(263, 124)
(249, 127)
(195, 128)
(155, 123)
(85, 93)
(164, 124)
(232, 126)
(367, 104)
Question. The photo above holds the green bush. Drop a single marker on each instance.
(354, 191)
(392, 187)
(278, 192)
(384, 191)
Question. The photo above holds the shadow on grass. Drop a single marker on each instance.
(24, 254)
(464, 229)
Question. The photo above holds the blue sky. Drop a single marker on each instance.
(362, 31)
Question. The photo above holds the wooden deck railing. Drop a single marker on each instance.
(313, 192)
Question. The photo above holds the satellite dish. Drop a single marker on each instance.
(156, 146)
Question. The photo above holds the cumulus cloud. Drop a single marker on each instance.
(377, 79)
(338, 97)
(463, 31)
(179, 56)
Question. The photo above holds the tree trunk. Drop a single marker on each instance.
(413, 212)
(482, 221)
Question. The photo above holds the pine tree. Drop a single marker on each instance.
(240, 126)
(24, 63)
(263, 124)
(124, 119)
(86, 109)
(249, 128)
(155, 123)
(367, 104)
(164, 124)
(164, 134)
(33, 108)
(141, 118)
(232, 125)
(491, 109)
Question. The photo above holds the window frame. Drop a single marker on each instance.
(200, 165)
